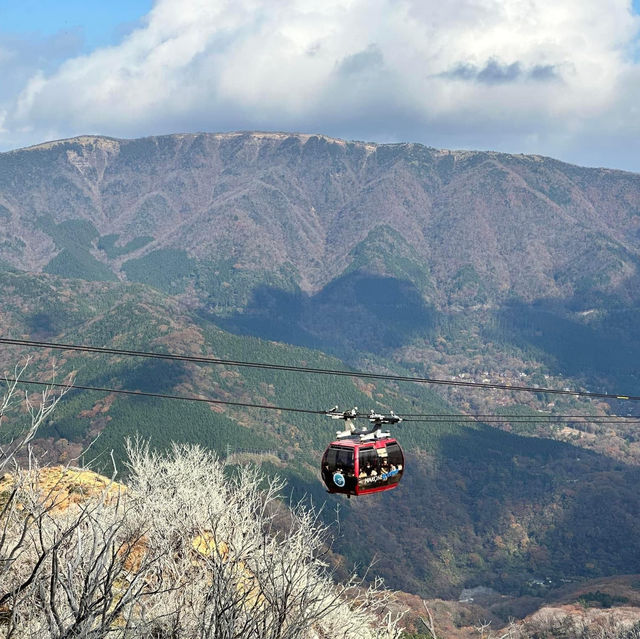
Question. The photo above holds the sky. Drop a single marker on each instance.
(559, 78)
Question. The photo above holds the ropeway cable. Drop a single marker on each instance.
(423, 418)
(318, 371)
(190, 398)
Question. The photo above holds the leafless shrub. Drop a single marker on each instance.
(95, 569)
(22, 513)
(38, 408)
(243, 576)
(555, 625)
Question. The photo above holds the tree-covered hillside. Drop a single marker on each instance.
(477, 505)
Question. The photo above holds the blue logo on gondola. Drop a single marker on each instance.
(339, 480)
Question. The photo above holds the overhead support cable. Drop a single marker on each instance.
(515, 418)
(317, 371)
(190, 398)
(558, 419)
(422, 418)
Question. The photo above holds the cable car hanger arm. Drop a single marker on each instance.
(373, 431)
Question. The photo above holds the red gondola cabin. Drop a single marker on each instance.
(357, 467)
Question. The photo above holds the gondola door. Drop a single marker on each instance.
(339, 469)
(379, 466)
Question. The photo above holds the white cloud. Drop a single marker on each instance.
(520, 75)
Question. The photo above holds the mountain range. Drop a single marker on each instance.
(462, 227)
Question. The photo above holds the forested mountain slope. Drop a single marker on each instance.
(312, 251)
(478, 505)
(302, 209)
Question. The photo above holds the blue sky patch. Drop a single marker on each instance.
(100, 22)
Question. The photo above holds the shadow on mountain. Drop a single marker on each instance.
(356, 312)
(558, 509)
(42, 325)
(152, 376)
(600, 346)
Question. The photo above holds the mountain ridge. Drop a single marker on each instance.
(87, 138)
(268, 200)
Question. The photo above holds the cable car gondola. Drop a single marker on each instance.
(360, 463)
